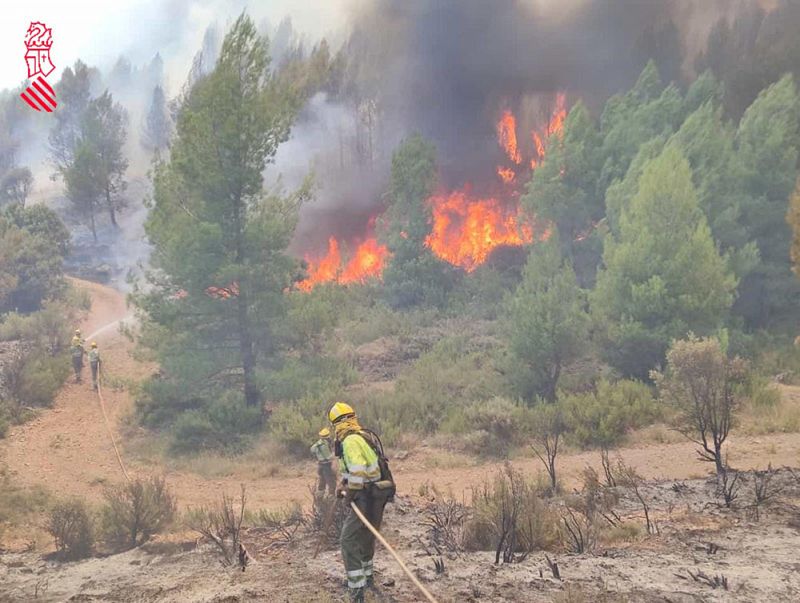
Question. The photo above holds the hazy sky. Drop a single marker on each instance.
(99, 31)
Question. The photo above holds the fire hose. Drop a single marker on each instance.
(108, 424)
(397, 558)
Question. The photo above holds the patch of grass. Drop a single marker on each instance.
(777, 411)
(623, 532)
(18, 503)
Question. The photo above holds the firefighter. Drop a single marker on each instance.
(322, 452)
(94, 363)
(363, 484)
(77, 352)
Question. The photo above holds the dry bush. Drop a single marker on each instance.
(328, 514)
(70, 525)
(510, 518)
(279, 525)
(705, 387)
(763, 490)
(578, 533)
(445, 520)
(627, 477)
(137, 510)
(221, 524)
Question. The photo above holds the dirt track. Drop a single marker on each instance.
(67, 448)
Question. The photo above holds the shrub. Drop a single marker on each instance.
(510, 518)
(226, 424)
(295, 425)
(70, 525)
(221, 524)
(135, 511)
(313, 376)
(492, 428)
(444, 380)
(602, 418)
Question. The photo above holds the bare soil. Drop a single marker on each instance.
(68, 451)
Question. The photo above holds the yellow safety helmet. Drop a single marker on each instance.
(340, 410)
(94, 344)
(78, 332)
(324, 432)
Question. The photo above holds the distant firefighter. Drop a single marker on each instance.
(94, 363)
(324, 455)
(77, 352)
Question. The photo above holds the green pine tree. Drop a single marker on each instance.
(212, 224)
(663, 275)
(546, 322)
(563, 189)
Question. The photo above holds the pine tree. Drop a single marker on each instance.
(157, 126)
(663, 275)
(793, 219)
(563, 189)
(767, 147)
(546, 322)
(212, 224)
(103, 134)
(413, 275)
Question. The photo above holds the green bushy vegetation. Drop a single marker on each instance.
(37, 310)
(602, 418)
(666, 212)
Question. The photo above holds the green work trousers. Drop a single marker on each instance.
(358, 543)
(326, 477)
(77, 366)
(95, 366)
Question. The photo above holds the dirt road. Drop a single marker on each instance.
(67, 448)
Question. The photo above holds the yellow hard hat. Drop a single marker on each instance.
(324, 432)
(94, 344)
(77, 331)
(340, 410)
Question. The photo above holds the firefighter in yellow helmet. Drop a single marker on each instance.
(76, 352)
(94, 363)
(324, 455)
(366, 481)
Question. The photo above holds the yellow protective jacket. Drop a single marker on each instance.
(358, 464)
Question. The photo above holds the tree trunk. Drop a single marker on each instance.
(718, 457)
(111, 212)
(251, 394)
(91, 223)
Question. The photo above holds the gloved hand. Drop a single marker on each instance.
(347, 494)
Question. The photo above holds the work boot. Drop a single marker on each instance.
(357, 595)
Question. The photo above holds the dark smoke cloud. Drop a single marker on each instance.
(447, 68)
(454, 62)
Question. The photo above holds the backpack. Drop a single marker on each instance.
(386, 483)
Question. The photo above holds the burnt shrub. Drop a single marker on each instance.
(135, 511)
(70, 525)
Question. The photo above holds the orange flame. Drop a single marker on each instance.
(507, 175)
(367, 261)
(556, 124)
(507, 136)
(465, 230)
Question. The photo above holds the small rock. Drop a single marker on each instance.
(388, 582)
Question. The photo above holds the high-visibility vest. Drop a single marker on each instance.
(359, 462)
(322, 451)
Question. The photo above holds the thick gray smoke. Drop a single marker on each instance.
(447, 69)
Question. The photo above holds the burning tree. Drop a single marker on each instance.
(212, 223)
